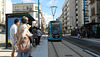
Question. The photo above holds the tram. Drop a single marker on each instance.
(55, 30)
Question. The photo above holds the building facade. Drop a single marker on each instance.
(73, 14)
(2, 11)
(59, 18)
(2, 15)
(95, 11)
(43, 24)
(31, 8)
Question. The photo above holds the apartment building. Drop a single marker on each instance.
(2, 11)
(95, 11)
(59, 18)
(31, 8)
(2, 15)
(73, 14)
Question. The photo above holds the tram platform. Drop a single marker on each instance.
(42, 49)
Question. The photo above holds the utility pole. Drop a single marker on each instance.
(84, 12)
(38, 15)
(53, 12)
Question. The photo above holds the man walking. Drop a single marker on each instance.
(13, 31)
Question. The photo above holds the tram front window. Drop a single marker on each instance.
(56, 31)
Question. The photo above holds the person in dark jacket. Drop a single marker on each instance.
(34, 39)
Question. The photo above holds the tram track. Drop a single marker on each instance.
(72, 49)
(85, 45)
(57, 53)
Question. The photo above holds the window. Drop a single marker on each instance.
(16, 8)
(93, 11)
(93, 21)
(92, 1)
(76, 4)
(30, 8)
(36, 15)
(76, 14)
(24, 7)
(76, 19)
(76, 24)
(36, 7)
(27, 7)
(76, 9)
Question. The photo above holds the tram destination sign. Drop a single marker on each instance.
(55, 23)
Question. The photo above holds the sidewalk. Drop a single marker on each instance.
(40, 51)
(6, 52)
(89, 39)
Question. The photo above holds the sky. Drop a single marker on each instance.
(45, 4)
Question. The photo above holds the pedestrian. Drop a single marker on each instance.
(78, 35)
(28, 26)
(13, 31)
(34, 32)
(39, 33)
(22, 36)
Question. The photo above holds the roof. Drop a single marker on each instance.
(23, 3)
(20, 15)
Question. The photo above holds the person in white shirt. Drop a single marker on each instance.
(13, 31)
(39, 33)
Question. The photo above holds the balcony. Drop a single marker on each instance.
(64, 21)
(76, 17)
(86, 20)
(76, 1)
(66, 8)
(77, 22)
(76, 6)
(76, 11)
(86, 10)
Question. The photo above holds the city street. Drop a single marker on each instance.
(70, 46)
(50, 28)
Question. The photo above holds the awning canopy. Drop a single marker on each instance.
(20, 15)
(92, 23)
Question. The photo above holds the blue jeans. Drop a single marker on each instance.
(26, 54)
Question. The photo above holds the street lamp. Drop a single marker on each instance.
(53, 12)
